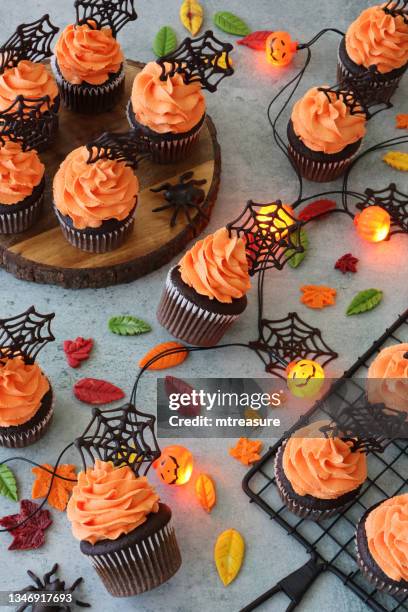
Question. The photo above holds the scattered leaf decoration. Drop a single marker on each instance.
(96, 392)
(167, 361)
(347, 263)
(256, 40)
(165, 41)
(318, 208)
(191, 16)
(77, 350)
(365, 301)
(251, 413)
(397, 160)
(205, 491)
(228, 555)
(230, 23)
(295, 258)
(179, 386)
(8, 484)
(318, 296)
(402, 121)
(60, 490)
(32, 533)
(246, 451)
(126, 325)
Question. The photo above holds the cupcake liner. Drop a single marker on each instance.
(26, 437)
(318, 171)
(189, 322)
(20, 217)
(167, 148)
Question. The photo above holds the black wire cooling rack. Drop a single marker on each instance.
(331, 543)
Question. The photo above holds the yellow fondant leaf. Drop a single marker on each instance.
(397, 160)
(228, 555)
(205, 491)
(191, 15)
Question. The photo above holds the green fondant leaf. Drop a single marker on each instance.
(231, 24)
(126, 325)
(297, 258)
(8, 485)
(364, 301)
(165, 41)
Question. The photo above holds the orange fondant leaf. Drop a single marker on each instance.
(60, 490)
(174, 353)
(205, 491)
(402, 121)
(318, 296)
(246, 451)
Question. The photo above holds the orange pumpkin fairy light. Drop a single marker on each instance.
(175, 465)
(373, 224)
(280, 48)
(283, 217)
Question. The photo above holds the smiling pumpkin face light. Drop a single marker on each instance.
(175, 465)
(280, 49)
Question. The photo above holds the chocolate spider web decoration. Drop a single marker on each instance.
(393, 201)
(25, 334)
(122, 435)
(272, 237)
(30, 41)
(197, 60)
(30, 121)
(113, 14)
(284, 340)
(397, 8)
(130, 147)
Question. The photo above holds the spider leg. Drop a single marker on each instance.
(75, 584)
(164, 207)
(187, 175)
(187, 214)
(52, 571)
(23, 607)
(35, 579)
(200, 211)
(162, 187)
(200, 182)
(174, 216)
(82, 604)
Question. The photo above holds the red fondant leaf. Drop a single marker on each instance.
(256, 40)
(316, 209)
(346, 263)
(95, 391)
(31, 534)
(77, 350)
(176, 385)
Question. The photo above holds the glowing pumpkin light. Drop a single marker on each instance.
(269, 217)
(175, 465)
(280, 49)
(305, 378)
(373, 224)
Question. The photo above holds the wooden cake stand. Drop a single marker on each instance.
(43, 255)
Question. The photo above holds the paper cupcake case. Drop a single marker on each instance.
(22, 218)
(23, 438)
(318, 171)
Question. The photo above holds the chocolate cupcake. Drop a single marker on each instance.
(318, 477)
(382, 545)
(324, 134)
(21, 188)
(387, 378)
(26, 402)
(377, 38)
(206, 292)
(168, 113)
(95, 202)
(124, 530)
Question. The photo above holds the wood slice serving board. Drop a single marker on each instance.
(43, 255)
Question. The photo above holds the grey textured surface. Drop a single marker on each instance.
(252, 168)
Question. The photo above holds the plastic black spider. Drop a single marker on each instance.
(183, 196)
(50, 585)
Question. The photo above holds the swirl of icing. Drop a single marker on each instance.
(92, 193)
(29, 79)
(378, 39)
(86, 54)
(217, 267)
(22, 388)
(108, 502)
(322, 467)
(387, 532)
(388, 378)
(166, 106)
(326, 125)
(20, 172)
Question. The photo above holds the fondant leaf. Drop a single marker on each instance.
(8, 485)
(397, 160)
(126, 325)
(191, 16)
(96, 392)
(256, 40)
(297, 258)
(174, 353)
(318, 208)
(205, 491)
(165, 41)
(364, 301)
(228, 555)
(230, 23)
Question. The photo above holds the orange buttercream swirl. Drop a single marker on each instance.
(378, 39)
(324, 468)
(388, 378)
(29, 79)
(217, 267)
(20, 172)
(166, 106)
(85, 54)
(92, 193)
(109, 502)
(22, 388)
(387, 535)
(324, 123)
